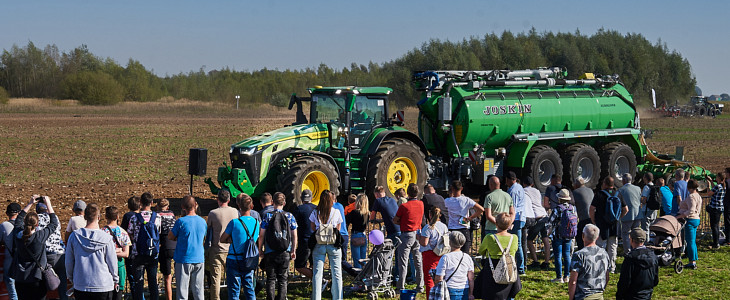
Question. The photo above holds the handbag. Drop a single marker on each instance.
(49, 275)
(359, 241)
(506, 270)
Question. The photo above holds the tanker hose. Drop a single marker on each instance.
(658, 161)
(458, 152)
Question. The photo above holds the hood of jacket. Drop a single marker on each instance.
(92, 240)
(643, 257)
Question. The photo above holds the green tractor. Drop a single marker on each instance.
(350, 143)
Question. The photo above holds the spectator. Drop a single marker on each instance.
(589, 268)
(679, 190)
(55, 248)
(726, 203)
(431, 199)
(583, 197)
(409, 218)
(689, 209)
(541, 227)
(457, 269)
(121, 246)
(6, 239)
(630, 195)
(428, 238)
(608, 238)
(562, 244)
(345, 238)
(387, 207)
(304, 232)
(716, 207)
(517, 193)
(458, 207)
(77, 221)
(530, 222)
(359, 218)
(30, 253)
(238, 278)
(267, 204)
(640, 270)
(326, 214)
(167, 246)
(133, 204)
(351, 203)
(648, 216)
(144, 262)
(496, 202)
(91, 261)
(667, 197)
(277, 224)
(551, 192)
(492, 247)
(217, 220)
(400, 194)
(189, 232)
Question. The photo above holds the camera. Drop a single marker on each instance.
(40, 199)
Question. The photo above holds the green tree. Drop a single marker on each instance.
(4, 96)
(93, 88)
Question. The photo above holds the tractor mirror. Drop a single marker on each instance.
(292, 100)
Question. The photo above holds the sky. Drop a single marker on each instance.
(170, 37)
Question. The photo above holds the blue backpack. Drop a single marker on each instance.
(613, 208)
(250, 252)
(568, 226)
(148, 238)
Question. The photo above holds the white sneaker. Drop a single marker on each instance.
(557, 280)
(324, 285)
(566, 279)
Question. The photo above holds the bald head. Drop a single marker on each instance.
(494, 183)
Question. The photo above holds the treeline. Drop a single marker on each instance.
(642, 65)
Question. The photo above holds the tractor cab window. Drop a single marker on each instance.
(368, 110)
(328, 109)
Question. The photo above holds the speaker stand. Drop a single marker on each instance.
(191, 184)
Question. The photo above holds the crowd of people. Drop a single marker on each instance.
(436, 240)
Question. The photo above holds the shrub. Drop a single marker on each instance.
(4, 97)
(93, 88)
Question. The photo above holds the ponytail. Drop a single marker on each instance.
(434, 215)
(30, 223)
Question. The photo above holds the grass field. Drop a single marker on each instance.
(107, 154)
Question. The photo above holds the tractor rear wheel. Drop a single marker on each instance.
(396, 164)
(617, 159)
(541, 164)
(308, 172)
(582, 161)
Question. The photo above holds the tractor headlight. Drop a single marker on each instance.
(247, 151)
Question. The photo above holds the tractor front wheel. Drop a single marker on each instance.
(396, 164)
(308, 172)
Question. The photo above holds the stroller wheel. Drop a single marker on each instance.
(391, 293)
(373, 296)
(678, 266)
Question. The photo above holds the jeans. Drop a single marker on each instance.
(715, 226)
(58, 261)
(519, 256)
(79, 295)
(239, 281)
(409, 246)
(396, 271)
(690, 236)
(459, 294)
(626, 227)
(335, 258)
(187, 274)
(10, 284)
(346, 266)
(277, 271)
(140, 266)
(561, 251)
(611, 246)
(649, 218)
(358, 252)
(217, 263)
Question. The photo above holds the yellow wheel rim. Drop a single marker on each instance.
(401, 172)
(316, 181)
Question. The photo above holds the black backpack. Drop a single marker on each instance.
(277, 235)
(148, 238)
(653, 202)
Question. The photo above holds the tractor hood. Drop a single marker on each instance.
(256, 154)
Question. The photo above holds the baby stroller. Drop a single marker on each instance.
(376, 277)
(667, 242)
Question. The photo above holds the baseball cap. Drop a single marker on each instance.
(41, 208)
(638, 235)
(13, 208)
(307, 195)
(564, 194)
(79, 205)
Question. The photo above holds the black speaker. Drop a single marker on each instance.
(198, 161)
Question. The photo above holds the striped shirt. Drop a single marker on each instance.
(717, 197)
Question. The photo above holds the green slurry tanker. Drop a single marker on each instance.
(471, 124)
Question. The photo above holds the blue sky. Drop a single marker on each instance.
(170, 37)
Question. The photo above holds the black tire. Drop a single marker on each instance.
(541, 163)
(581, 160)
(617, 158)
(292, 178)
(388, 152)
(702, 111)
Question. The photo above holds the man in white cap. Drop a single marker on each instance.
(77, 221)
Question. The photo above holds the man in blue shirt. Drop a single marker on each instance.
(680, 191)
(518, 199)
(267, 205)
(189, 232)
(277, 262)
(387, 207)
(238, 278)
(345, 240)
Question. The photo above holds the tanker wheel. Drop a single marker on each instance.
(617, 159)
(702, 111)
(582, 161)
(541, 163)
(396, 164)
(308, 172)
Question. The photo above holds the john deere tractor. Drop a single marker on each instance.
(347, 144)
